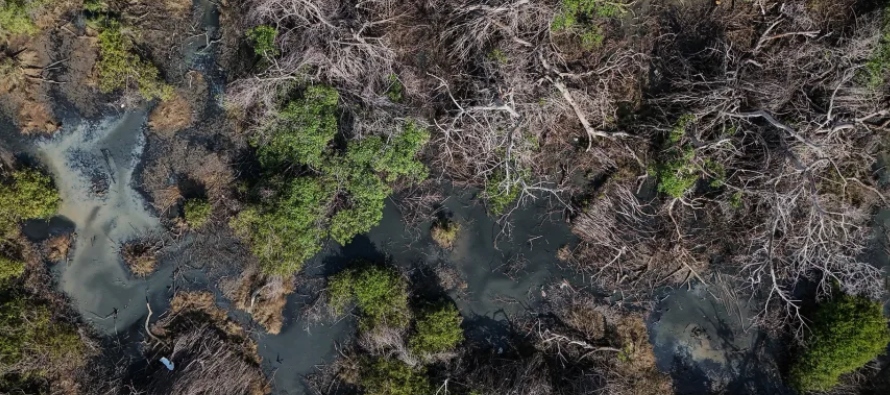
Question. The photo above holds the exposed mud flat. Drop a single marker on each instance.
(93, 165)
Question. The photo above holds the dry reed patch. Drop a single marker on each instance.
(57, 248)
(445, 233)
(212, 353)
(140, 257)
(171, 116)
(261, 296)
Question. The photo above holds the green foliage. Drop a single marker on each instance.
(394, 93)
(847, 333)
(875, 71)
(28, 194)
(498, 56)
(437, 329)
(500, 194)
(677, 171)
(263, 39)
(288, 230)
(119, 67)
(383, 376)
(717, 172)
(735, 201)
(197, 212)
(95, 6)
(302, 131)
(30, 333)
(581, 16)
(380, 294)
(592, 38)
(677, 175)
(16, 17)
(10, 269)
(679, 129)
(355, 178)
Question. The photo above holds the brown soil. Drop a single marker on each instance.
(260, 296)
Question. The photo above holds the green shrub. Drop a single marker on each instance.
(32, 338)
(383, 376)
(302, 130)
(380, 294)
(677, 175)
(95, 6)
(500, 194)
(394, 92)
(437, 329)
(16, 17)
(581, 16)
(876, 68)
(10, 269)
(355, 178)
(119, 67)
(263, 39)
(289, 230)
(847, 332)
(197, 212)
(27, 194)
(679, 129)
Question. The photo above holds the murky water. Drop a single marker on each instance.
(92, 165)
(503, 275)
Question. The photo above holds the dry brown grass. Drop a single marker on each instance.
(141, 257)
(212, 353)
(261, 296)
(57, 248)
(166, 198)
(24, 88)
(445, 233)
(171, 116)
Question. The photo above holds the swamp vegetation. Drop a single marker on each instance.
(737, 149)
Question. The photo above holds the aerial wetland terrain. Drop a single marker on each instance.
(467, 197)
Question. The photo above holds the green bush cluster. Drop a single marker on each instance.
(678, 174)
(581, 16)
(301, 131)
(16, 17)
(120, 67)
(876, 68)
(437, 329)
(31, 334)
(10, 269)
(288, 230)
(263, 39)
(499, 193)
(197, 212)
(380, 294)
(847, 332)
(677, 171)
(382, 376)
(26, 194)
(290, 227)
(394, 92)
